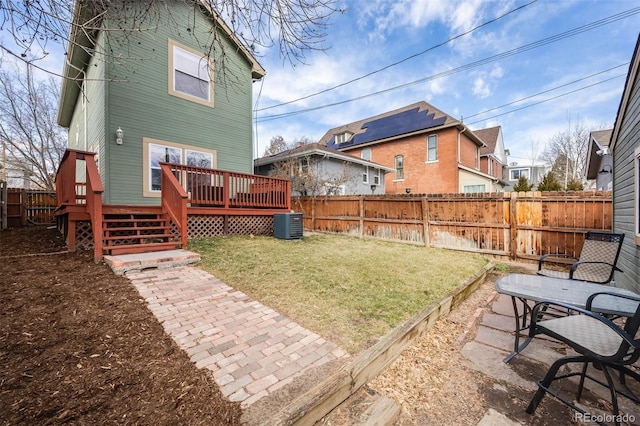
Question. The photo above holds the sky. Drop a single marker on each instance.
(536, 68)
(536, 71)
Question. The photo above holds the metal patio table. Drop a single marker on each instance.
(536, 288)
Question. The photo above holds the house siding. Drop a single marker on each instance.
(137, 101)
(624, 208)
(93, 121)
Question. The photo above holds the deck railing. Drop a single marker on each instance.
(231, 190)
(71, 190)
(174, 201)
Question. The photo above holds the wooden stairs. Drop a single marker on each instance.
(137, 230)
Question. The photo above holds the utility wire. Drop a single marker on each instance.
(549, 99)
(400, 61)
(521, 49)
(549, 90)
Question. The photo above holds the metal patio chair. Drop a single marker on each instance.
(597, 260)
(598, 341)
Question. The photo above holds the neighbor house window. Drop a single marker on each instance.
(432, 148)
(399, 167)
(343, 137)
(516, 173)
(469, 189)
(189, 74)
(376, 176)
(365, 154)
(365, 175)
(156, 152)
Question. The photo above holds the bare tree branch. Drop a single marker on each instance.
(34, 142)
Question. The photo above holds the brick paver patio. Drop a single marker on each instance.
(251, 349)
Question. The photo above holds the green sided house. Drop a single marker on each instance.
(160, 144)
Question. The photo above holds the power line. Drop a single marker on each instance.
(549, 99)
(521, 49)
(400, 61)
(549, 90)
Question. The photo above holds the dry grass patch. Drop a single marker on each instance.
(349, 290)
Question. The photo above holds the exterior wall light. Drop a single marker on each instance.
(407, 190)
(373, 188)
(119, 136)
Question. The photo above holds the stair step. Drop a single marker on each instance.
(135, 237)
(141, 248)
(136, 228)
(154, 219)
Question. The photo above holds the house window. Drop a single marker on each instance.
(342, 137)
(432, 148)
(365, 175)
(376, 177)
(156, 152)
(189, 76)
(399, 167)
(516, 173)
(365, 154)
(471, 189)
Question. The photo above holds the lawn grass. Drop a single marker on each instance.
(351, 291)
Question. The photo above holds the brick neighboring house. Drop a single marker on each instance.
(493, 156)
(430, 151)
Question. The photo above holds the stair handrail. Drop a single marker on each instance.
(174, 201)
(94, 203)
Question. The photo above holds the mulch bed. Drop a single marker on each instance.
(79, 346)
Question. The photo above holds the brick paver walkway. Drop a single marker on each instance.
(251, 349)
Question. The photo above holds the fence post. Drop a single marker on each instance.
(425, 221)
(513, 224)
(4, 205)
(361, 205)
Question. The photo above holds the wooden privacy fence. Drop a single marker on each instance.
(20, 207)
(519, 225)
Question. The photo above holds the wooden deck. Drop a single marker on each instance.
(187, 191)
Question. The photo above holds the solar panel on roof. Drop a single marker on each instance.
(393, 125)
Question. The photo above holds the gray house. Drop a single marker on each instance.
(176, 104)
(533, 173)
(315, 169)
(625, 147)
(599, 160)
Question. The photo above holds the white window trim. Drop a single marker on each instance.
(365, 174)
(366, 157)
(376, 176)
(395, 177)
(436, 160)
(528, 169)
(171, 80)
(146, 175)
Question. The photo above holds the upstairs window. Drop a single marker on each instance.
(365, 154)
(343, 137)
(516, 173)
(399, 167)
(432, 148)
(189, 74)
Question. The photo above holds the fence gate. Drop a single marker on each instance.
(22, 207)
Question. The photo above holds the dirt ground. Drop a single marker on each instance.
(78, 346)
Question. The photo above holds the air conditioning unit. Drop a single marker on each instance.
(287, 226)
